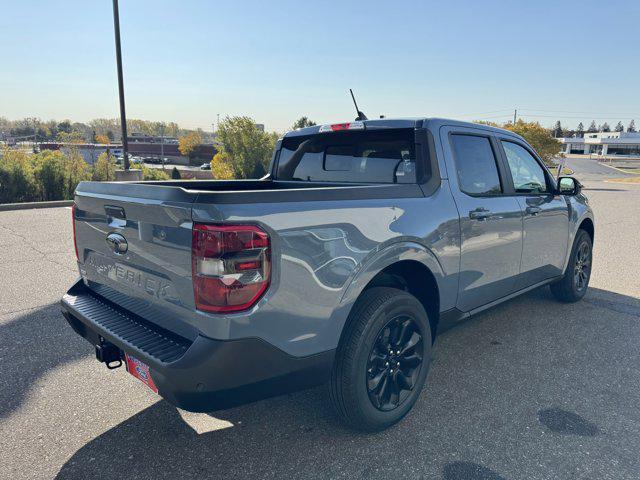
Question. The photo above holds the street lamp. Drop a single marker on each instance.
(123, 116)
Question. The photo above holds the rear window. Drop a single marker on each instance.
(380, 156)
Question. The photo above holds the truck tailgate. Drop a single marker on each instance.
(134, 248)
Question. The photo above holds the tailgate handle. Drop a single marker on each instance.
(115, 212)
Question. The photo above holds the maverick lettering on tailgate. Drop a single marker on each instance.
(134, 278)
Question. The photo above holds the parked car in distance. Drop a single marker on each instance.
(205, 166)
(365, 240)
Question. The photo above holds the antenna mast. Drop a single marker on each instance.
(361, 116)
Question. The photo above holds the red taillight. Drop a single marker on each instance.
(73, 222)
(337, 127)
(231, 266)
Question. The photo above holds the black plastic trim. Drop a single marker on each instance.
(117, 324)
(210, 374)
(298, 192)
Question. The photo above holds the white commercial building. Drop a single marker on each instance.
(604, 143)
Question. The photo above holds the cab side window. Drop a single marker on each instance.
(528, 176)
(476, 165)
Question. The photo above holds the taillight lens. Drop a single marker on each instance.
(73, 222)
(231, 266)
(337, 127)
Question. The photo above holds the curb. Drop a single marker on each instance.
(4, 207)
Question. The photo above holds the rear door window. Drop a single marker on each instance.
(476, 165)
(379, 156)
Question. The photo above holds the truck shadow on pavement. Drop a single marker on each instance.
(483, 401)
(32, 345)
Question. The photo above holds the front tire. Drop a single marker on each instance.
(573, 285)
(382, 360)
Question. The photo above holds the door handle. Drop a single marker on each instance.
(533, 210)
(479, 214)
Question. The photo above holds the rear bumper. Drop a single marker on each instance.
(200, 374)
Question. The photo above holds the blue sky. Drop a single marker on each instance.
(187, 61)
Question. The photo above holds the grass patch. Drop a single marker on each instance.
(625, 180)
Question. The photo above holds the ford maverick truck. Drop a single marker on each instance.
(341, 266)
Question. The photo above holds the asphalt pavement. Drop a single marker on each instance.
(591, 169)
(532, 389)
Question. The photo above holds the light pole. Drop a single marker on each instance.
(162, 144)
(123, 116)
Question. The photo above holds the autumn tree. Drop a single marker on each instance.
(76, 171)
(248, 148)
(303, 122)
(538, 137)
(221, 168)
(105, 168)
(73, 137)
(103, 139)
(189, 143)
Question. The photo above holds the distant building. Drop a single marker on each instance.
(145, 138)
(604, 143)
(89, 151)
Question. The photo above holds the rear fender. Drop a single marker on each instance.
(380, 260)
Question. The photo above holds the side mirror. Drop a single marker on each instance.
(569, 186)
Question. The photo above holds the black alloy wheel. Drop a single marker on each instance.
(394, 363)
(582, 267)
(573, 285)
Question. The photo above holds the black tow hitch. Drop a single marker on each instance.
(109, 354)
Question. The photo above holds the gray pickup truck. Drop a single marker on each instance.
(364, 241)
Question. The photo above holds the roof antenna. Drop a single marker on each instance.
(361, 116)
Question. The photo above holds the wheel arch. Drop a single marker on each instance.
(587, 226)
(410, 267)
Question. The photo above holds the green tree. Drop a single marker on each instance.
(557, 130)
(188, 144)
(248, 148)
(605, 127)
(619, 127)
(303, 122)
(592, 127)
(580, 130)
(49, 171)
(76, 171)
(632, 126)
(64, 127)
(104, 169)
(17, 183)
(154, 174)
(221, 166)
(175, 174)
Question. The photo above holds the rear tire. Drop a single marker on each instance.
(573, 285)
(382, 360)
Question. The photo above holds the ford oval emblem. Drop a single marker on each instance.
(117, 243)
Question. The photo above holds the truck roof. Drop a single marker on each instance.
(406, 122)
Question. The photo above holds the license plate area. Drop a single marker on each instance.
(140, 370)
